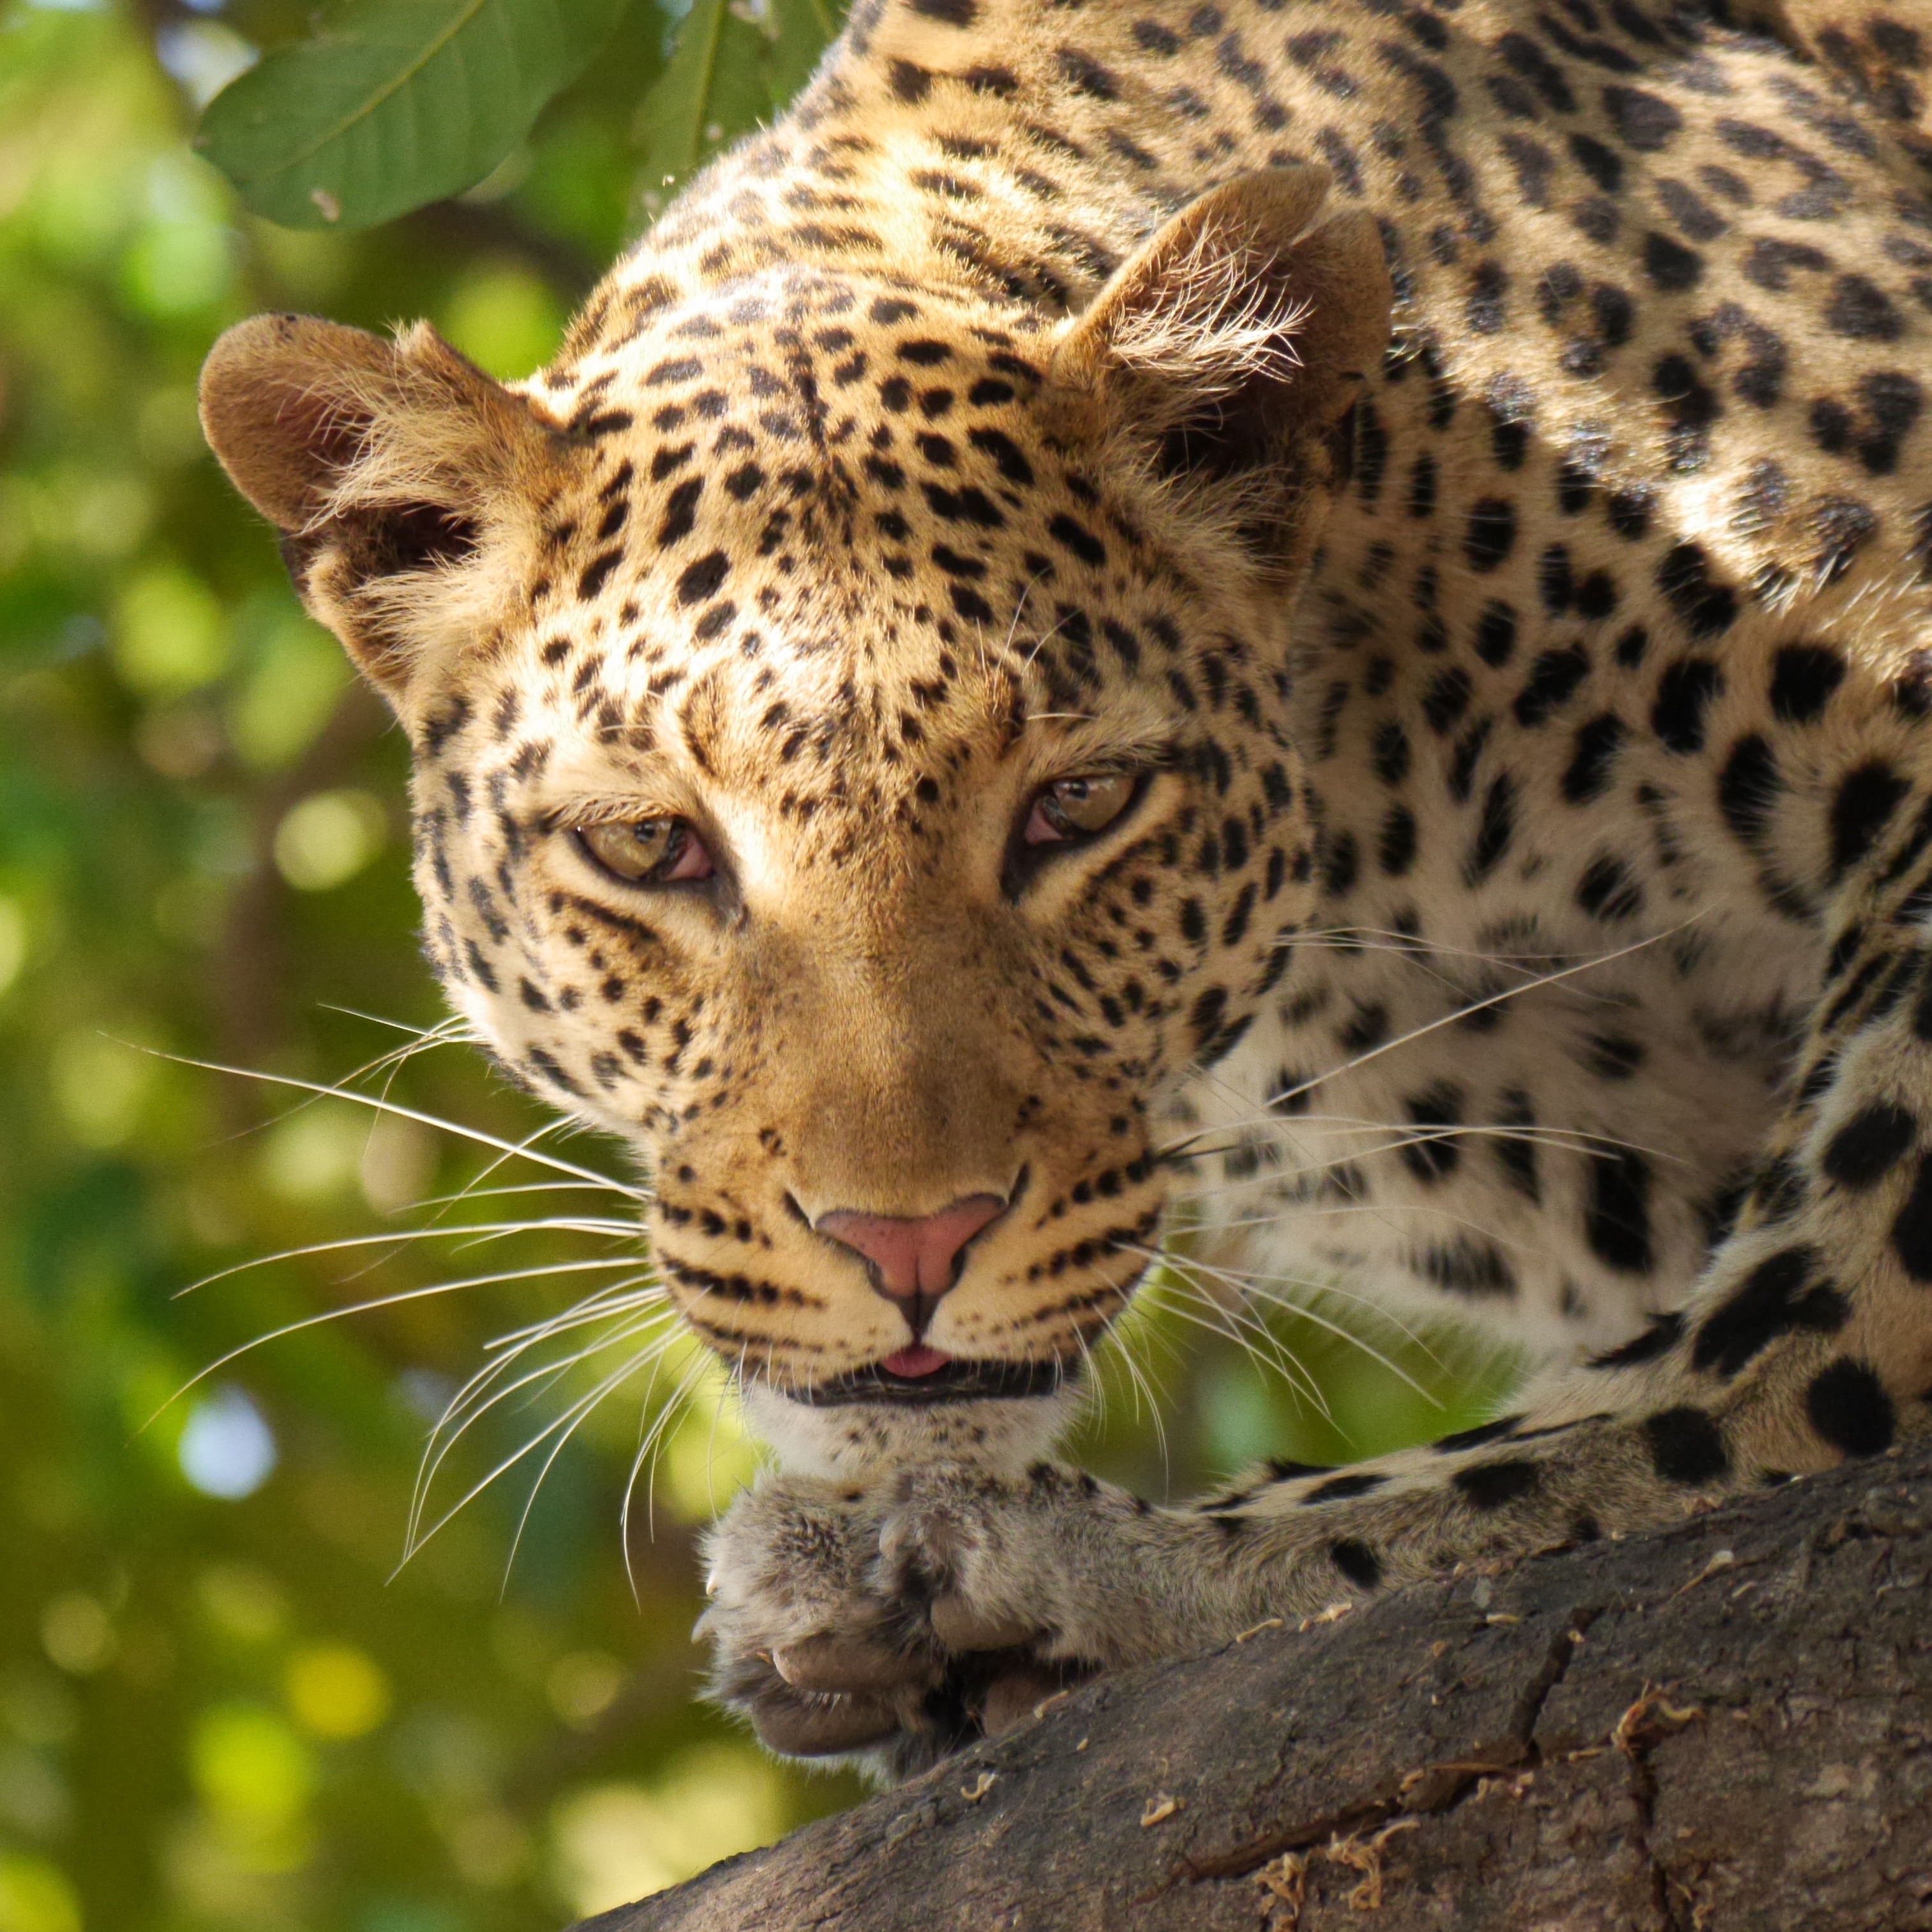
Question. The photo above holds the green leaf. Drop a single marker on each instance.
(805, 29)
(736, 63)
(395, 102)
(675, 113)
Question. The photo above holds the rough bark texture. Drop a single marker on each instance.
(1728, 1725)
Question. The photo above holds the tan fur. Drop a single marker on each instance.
(1522, 908)
(325, 428)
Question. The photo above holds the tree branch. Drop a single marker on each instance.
(1729, 1724)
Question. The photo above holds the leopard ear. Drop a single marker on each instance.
(407, 484)
(1232, 343)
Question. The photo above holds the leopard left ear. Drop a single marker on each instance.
(1232, 341)
(407, 485)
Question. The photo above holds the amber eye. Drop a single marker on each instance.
(1073, 808)
(647, 851)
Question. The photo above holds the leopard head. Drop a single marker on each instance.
(851, 758)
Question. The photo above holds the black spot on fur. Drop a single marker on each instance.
(1912, 1232)
(1802, 680)
(1705, 607)
(1431, 1157)
(1553, 679)
(1588, 774)
(1869, 1145)
(1491, 533)
(1495, 633)
(1662, 1335)
(1616, 1216)
(1748, 788)
(1849, 1407)
(1607, 890)
(1683, 695)
(596, 570)
(1866, 799)
(700, 580)
(1687, 1447)
(1860, 309)
(1772, 1300)
(1671, 266)
(1340, 1488)
(1475, 1438)
(1490, 1486)
(1495, 829)
(1645, 121)
(1356, 1561)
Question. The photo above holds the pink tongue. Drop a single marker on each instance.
(917, 1361)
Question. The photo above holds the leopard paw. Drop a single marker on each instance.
(802, 1644)
(986, 1558)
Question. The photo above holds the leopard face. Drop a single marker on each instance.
(848, 771)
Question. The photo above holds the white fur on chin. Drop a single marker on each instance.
(862, 1441)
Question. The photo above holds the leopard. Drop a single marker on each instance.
(1289, 638)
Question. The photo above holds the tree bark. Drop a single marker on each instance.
(1728, 1724)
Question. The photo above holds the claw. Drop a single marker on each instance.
(824, 1727)
(960, 1627)
(830, 1662)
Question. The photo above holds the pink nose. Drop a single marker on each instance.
(912, 1258)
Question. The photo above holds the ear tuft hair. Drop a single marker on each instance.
(1217, 325)
(1222, 354)
(404, 480)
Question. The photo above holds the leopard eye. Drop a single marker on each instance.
(647, 851)
(1079, 807)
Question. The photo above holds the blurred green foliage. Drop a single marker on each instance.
(222, 1702)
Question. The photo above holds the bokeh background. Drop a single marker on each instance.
(226, 1699)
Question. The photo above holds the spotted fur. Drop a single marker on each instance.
(1523, 907)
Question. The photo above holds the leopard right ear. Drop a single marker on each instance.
(1223, 354)
(408, 486)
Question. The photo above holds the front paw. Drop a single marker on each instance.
(802, 1644)
(992, 1561)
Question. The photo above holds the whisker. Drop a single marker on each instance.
(1254, 1339)
(1374, 1208)
(1143, 1385)
(638, 1292)
(509, 1187)
(510, 1149)
(1237, 1323)
(369, 1306)
(1371, 1305)
(443, 1440)
(640, 1308)
(397, 1237)
(649, 1441)
(1259, 1284)
(1422, 1032)
(1567, 1140)
(577, 1416)
(418, 1538)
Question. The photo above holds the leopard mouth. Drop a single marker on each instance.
(955, 1380)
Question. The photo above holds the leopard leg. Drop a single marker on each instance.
(1807, 1340)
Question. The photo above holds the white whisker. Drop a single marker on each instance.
(1260, 1285)
(415, 1536)
(479, 1232)
(1422, 1032)
(1254, 1340)
(366, 1307)
(510, 1149)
